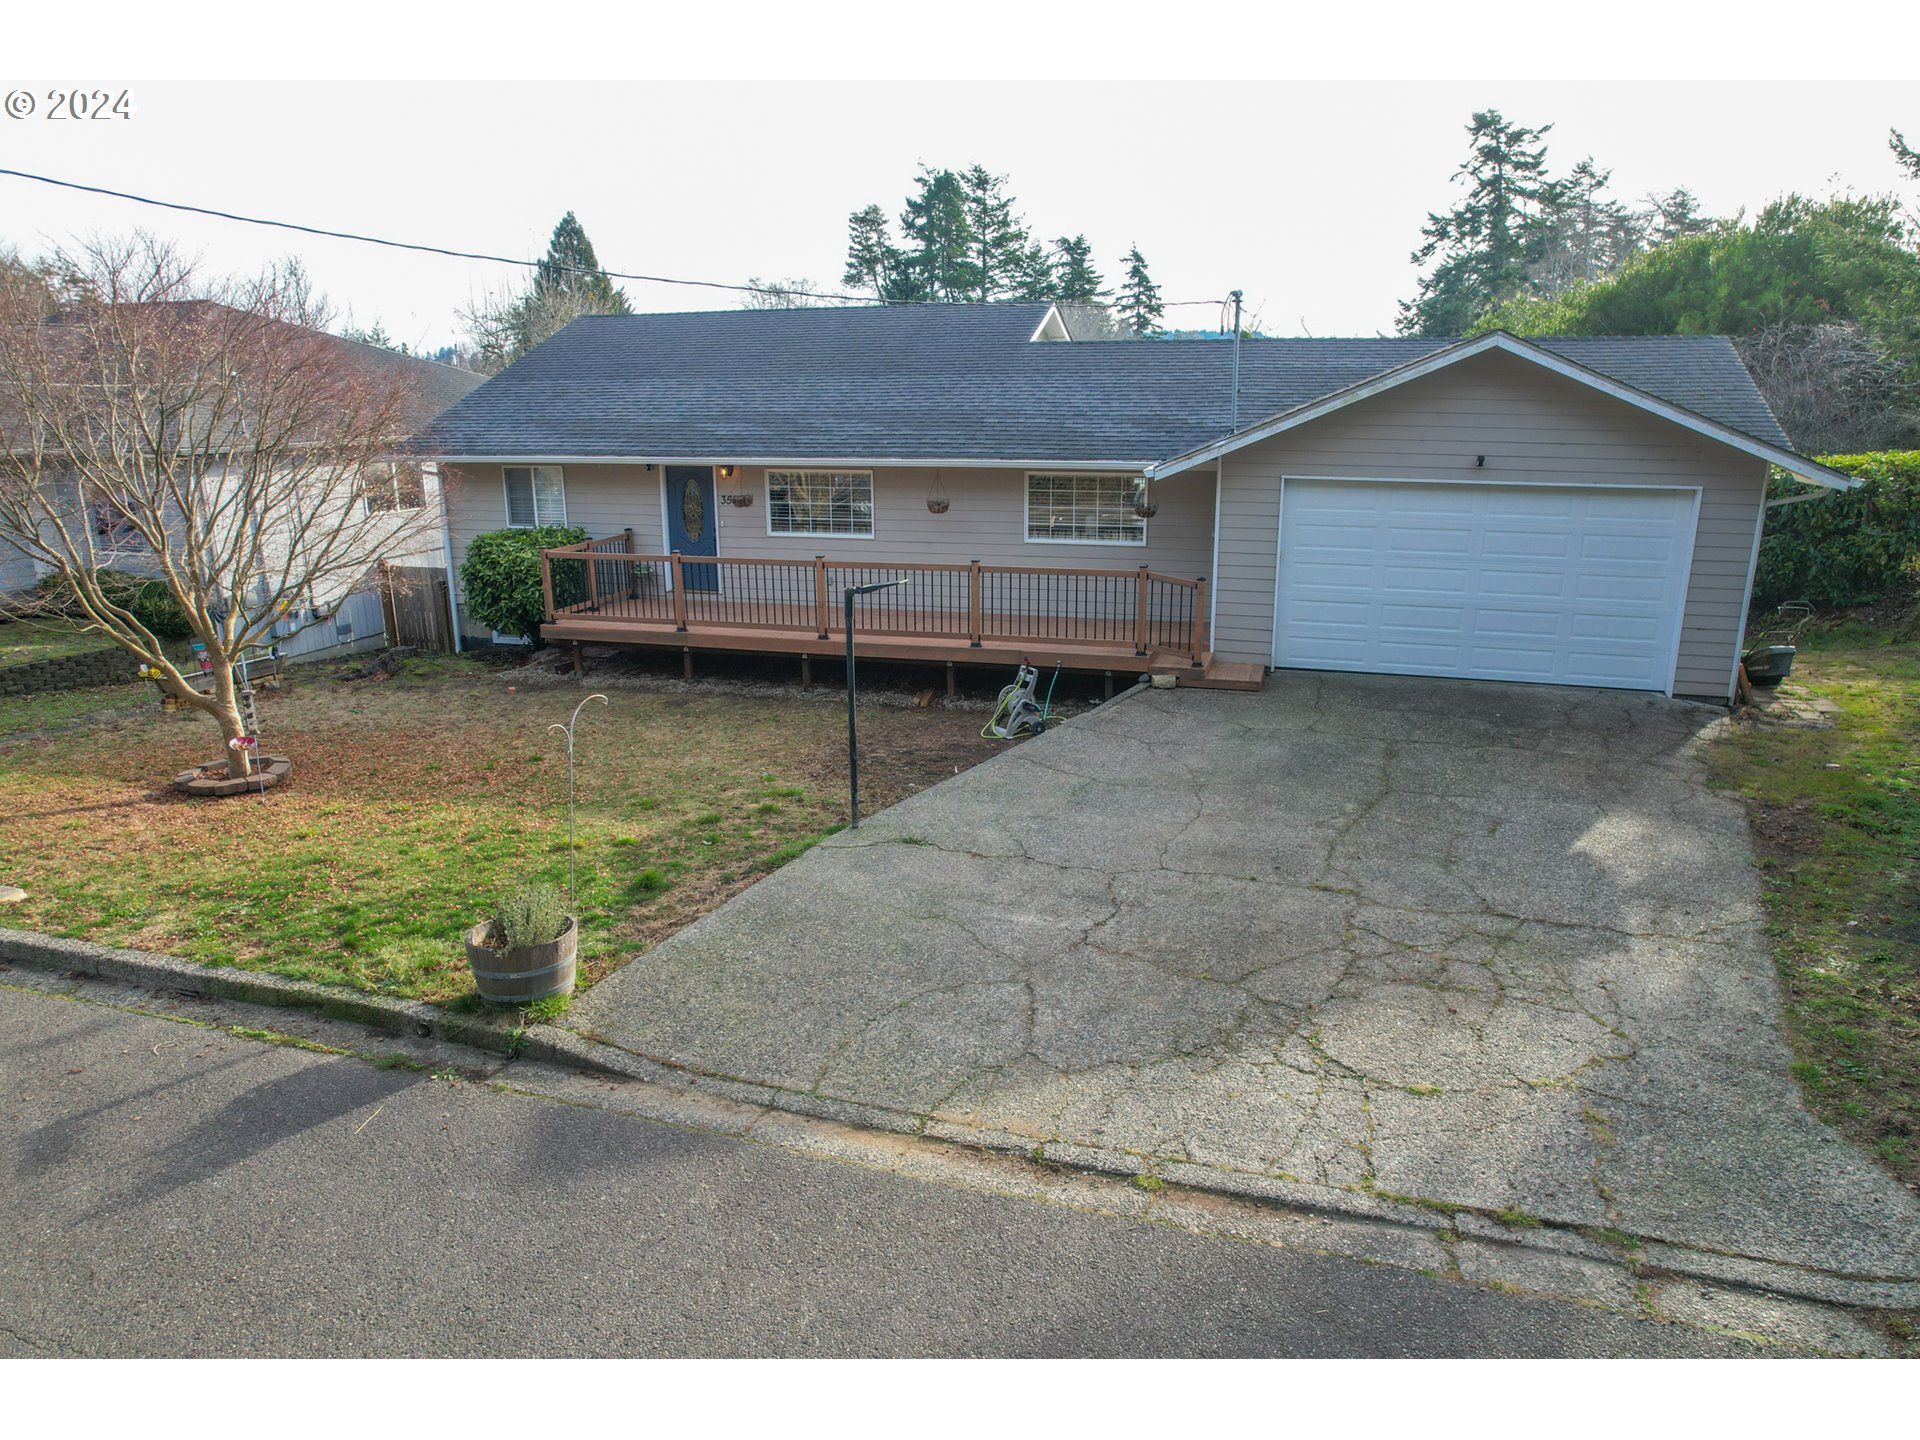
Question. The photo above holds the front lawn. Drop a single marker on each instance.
(417, 799)
(1836, 821)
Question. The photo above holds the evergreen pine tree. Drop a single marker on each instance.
(1584, 236)
(1000, 240)
(940, 241)
(1074, 278)
(1482, 244)
(873, 261)
(1138, 304)
(1035, 279)
(1904, 154)
(571, 269)
(1674, 216)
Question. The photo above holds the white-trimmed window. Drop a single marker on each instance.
(536, 495)
(399, 486)
(819, 502)
(1085, 509)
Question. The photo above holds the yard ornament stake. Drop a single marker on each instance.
(567, 730)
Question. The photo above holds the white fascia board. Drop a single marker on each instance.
(1797, 465)
(1054, 318)
(788, 462)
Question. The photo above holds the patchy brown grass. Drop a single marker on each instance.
(1836, 823)
(417, 798)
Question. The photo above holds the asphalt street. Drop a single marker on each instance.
(172, 1189)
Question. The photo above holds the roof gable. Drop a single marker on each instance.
(1550, 356)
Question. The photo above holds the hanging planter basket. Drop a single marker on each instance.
(937, 500)
(1144, 504)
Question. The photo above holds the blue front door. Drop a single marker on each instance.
(691, 527)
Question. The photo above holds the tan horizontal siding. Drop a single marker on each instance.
(1531, 425)
(985, 519)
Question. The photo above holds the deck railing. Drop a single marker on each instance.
(1139, 609)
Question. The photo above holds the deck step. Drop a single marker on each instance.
(1225, 675)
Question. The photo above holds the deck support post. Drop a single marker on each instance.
(1140, 614)
(951, 691)
(973, 595)
(679, 594)
(593, 580)
(578, 668)
(633, 570)
(820, 595)
(1202, 629)
(1108, 677)
(546, 583)
(686, 663)
(806, 672)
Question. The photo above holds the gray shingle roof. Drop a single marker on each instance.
(961, 382)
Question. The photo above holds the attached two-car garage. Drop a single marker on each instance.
(1553, 584)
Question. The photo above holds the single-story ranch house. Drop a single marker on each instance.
(1561, 511)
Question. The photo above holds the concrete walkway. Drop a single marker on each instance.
(1365, 939)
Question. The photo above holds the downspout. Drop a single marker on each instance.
(446, 550)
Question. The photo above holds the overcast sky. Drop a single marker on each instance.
(1232, 151)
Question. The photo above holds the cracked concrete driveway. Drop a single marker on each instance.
(1489, 946)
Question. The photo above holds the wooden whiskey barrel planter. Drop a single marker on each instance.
(524, 973)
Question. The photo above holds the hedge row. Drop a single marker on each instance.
(1846, 548)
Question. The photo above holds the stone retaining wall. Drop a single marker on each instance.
(75, 672)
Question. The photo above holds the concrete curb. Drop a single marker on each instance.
(1479, 1249)
(168, 972)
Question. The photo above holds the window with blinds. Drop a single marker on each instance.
(536, 495)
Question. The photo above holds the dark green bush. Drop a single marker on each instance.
(1847, 548)
(146, 599)
(500, 578)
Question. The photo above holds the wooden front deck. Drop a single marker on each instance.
(1106, 621)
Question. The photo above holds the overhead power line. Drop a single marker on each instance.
(453, 254)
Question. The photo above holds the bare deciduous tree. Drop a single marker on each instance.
(252, 463)
(1834, 387)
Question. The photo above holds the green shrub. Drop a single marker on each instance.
(146, 599)
(500, 578)
(530, 914)
(1846, 548)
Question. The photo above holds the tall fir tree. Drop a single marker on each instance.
(567, 284)
(1482, 244)
(1074, 278)
(1000, 239)
(571, 269)
(1904, 155)
(1138, 304)
(874, 262)
(1584, 234)
(1674, 216)
(940, 242)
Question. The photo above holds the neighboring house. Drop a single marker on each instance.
(344, 614)
(1565, 511)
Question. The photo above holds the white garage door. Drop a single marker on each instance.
(1554, 585)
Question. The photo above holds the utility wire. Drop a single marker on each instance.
(467, 254)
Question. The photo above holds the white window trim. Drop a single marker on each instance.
(506, 496)
(873, 503)
(393, 480)
(1026, 508)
